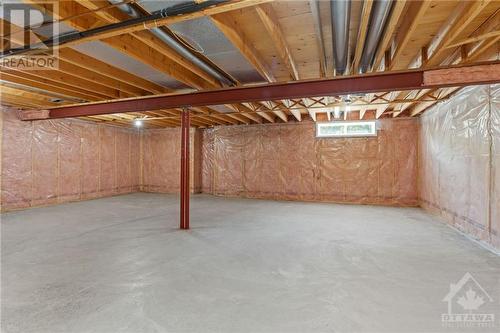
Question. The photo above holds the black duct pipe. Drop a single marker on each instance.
(180, 9)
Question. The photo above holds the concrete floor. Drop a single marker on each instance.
(121, 265)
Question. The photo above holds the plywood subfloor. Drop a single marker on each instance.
(121, 264)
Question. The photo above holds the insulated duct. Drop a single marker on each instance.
(180, 9)
(341, 14)
(378, 19)
(175, 44)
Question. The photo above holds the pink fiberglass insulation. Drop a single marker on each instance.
(90, 161)
(17, 179)
(135, 160)
(196, 161)
(107, 174)
(161, 149)
(161, 160)
(287, 161)
(456, 144)
(495, 166)
(459, 161)
(44, 163)
(207, 158)
(52, 161)
(70, 160)
(122, 151)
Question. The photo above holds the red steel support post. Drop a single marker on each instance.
(185, 124)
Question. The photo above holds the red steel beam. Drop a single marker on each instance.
(365, 83)
(185, 124)
(279, 91)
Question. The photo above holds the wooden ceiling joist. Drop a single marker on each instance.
(408, 80)
(363, 28)
(416, 10)
(235, 34)
(53, 79)
(153, 52)
(271, 23)
(114, 15)
(280, 41)
(470, 10)
(25, 79)
(221, 8)
(91, 64)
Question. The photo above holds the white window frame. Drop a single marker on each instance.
(344, 125)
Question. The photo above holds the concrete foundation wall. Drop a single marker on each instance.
(459, 162)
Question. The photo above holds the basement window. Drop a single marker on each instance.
(346, 129)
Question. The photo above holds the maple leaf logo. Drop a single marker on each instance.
(471, 301)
